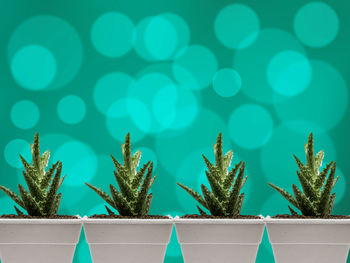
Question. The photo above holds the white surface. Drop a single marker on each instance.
(309, 240)
(38, 240)
(219, 240)
(128, 240)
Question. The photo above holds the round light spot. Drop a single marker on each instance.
(316, 24)
(227, 82)
(128, 115)
(79, 162)
(288, 139)
(112, 34)
(33, 67)
(324, 102)
(237, 26)
(15, 148)
(110, 88)
(58, 59)
(272, 42)
(160, 38)
(289, 73)
(25, 114)
(71, 109)
(250, 126)
(194, 67)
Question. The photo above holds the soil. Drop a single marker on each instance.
(12, 216)
(219, 217)
(103, 216)
(286, 216)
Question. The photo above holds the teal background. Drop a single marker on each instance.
(174, 74)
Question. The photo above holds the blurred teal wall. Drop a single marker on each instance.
(174, 74)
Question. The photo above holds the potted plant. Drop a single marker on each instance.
(225, 235)
(316, 235)
(40, 235)
(132, 235)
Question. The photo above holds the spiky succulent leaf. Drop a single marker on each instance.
(224, 199)
(316, 199)
(133, 198)
(41, 198)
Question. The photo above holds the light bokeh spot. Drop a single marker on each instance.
(316, 24)
(227, 82)
(25, 114)
(289, 73)
(13, 149)
(34, 67)
(71, 109)
(250, 126)
(237, 26)
(112, 34)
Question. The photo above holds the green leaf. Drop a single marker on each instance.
(148, 204)
(322, 176)
(30, 204)
(318, 161)
(201, 211)
(33, 187)
(142, 194)
(236, 188)
(109, 211)
(304, 203)
(124, 187)
(136, 182)
(19, 212)
(217, 189)
(231, 176)
(120, 169)
(56, 205)
(307, 187)
(102, 194)
(325, 194)
(135, 162)
(330, 205)
(285, 194)
(36, 154)
(121, 204)
(13, 196)
(212, 169)
(214, 206)
(194, 194)
(239, 204)
(126, 148)
(219, 158)
(310, 155)
(52, 192)
(227, 160)
(45, 182)
(292, 211)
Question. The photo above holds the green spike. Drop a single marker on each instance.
(214, 206)
(194, 194)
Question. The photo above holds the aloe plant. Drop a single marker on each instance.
(225, 198)
(41, 198)
(132, 198)
(316, 198)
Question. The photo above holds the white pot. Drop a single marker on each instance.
(38, 240)
(219, 240)
(309, 240)
(127, 240)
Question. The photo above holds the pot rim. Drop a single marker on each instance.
(41, 221)
(306, 221)
(214, 221)
(128, 221)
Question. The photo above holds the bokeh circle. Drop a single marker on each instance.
(237, 26)
(250, 126)
(227, 82)
(112, 34)
(71, 109)
(316, 24)
(13, 149)
(25, 114)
